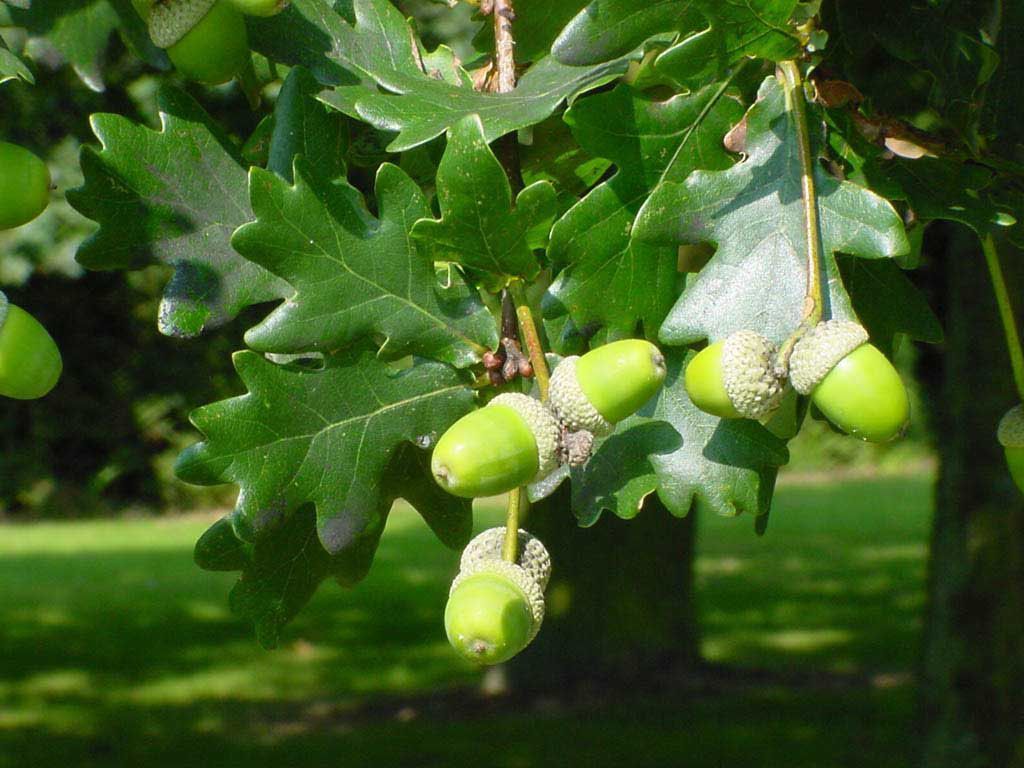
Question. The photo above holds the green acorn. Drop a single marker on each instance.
(30, 363)
(205, 39)
(850, 381)
(734, 378)
(604, 386)
(1011, 436)
(510, 442)
(24, 186)
(495, 608)
(260, 7)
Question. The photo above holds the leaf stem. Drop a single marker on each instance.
(531, 337)
(813, 298)
(516, 506)
(995, 269)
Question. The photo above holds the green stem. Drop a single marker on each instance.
(530, 336)
(995, 269)
(515, 509)
(813, 298)
(250, 84)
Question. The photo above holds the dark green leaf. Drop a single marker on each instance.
(738, 29)
(380, 48)
(80, 30)
(323, 437)
(606, 29)
(552, 153)
(876, 287)
(608, 278)
(284, 567)
(478, 227)
(1003, 114)
(937, 188)
(753, 213)
(354, 275)
(715, 34)
(306, 33)
(946, 46)
(11, 67)
(304, 126)
(175, 197)
(619, 475)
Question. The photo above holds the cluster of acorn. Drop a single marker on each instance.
(495, 607)
(30, 363)
(849, 380)
(517, 440)
(206, 40)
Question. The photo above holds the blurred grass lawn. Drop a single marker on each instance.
(115, 650)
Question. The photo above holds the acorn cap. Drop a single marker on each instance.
(516, 575)
(4, 307)
(171, 20)
(747, 374)
(1011, 428)
(533, 557)
(820, 349)
(570, 405)
(546, 431)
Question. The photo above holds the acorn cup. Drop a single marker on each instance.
(734, 378)
(495, 608)
(30, 363)
(850, 381)
(510, 442)
(206, 40)
(604, 386)
(1011, 436)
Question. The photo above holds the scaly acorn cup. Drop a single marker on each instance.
(495, 609)
(205, 39)
(512, 441)
(604, 386)
(734, 378)
(260, 7)
(24, 186)
(487, 546)
(30, 363)
(850, 381)
(1011, 436)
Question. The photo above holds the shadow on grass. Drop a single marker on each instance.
(121, 652)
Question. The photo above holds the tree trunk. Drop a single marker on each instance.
(972, 675)
(620, 602)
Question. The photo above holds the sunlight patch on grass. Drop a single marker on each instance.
(59, 682)
(803, 640)
(915, 553)
(719, 566)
